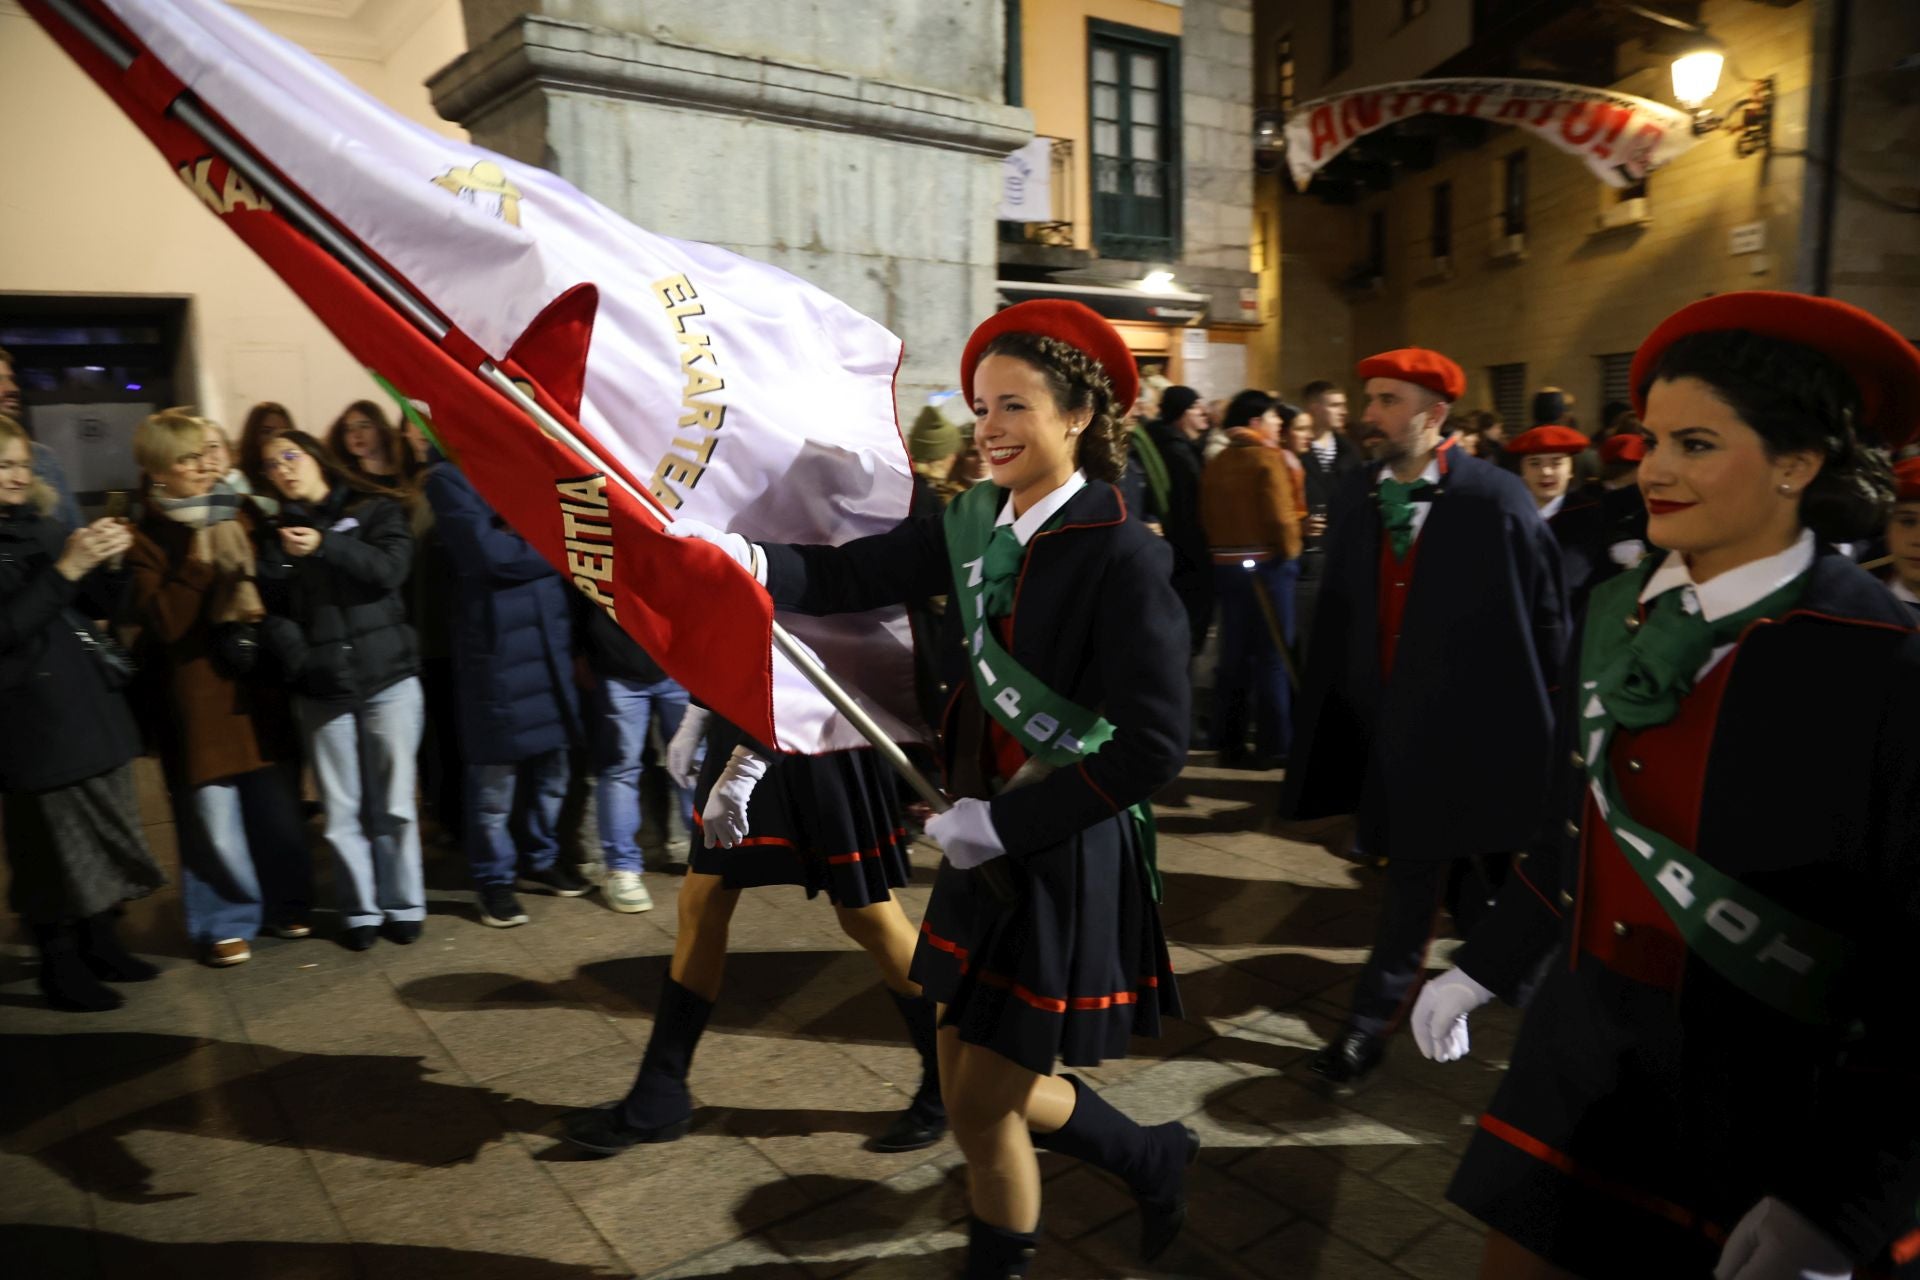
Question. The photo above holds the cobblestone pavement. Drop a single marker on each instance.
(319, 1113)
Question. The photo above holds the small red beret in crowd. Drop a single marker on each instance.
(1548, 439)
(1421, 367)
(1079, 326)
(1628, 446)
(1906, 480)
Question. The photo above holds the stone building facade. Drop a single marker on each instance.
(858, 146)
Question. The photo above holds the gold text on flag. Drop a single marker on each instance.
(220, 187)
(588, 530)
(692, 449)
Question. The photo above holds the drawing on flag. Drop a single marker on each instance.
(731, 391)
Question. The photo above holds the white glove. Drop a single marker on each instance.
(1774, 1242)
(744, 553)
(683, 752)
(965, 833)
(1439, 1018)
(1627, 554)
(725, 817)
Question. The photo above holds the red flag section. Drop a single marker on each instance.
(703, 619)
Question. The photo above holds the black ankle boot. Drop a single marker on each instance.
(1151, 1160)
(658, 1108)
(106, 956)
(995, 1253)
(924, 1122)
(64, 976)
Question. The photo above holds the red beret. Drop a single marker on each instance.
(1883, 365)
(1906, 480)
(1419, 366)
(1078, 326)
(1549, 439)
(1628, 446)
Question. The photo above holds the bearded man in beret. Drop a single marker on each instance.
(1440, 629)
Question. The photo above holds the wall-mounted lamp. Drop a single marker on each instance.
(1696, 74)
(1696, 77)
(1157, 282)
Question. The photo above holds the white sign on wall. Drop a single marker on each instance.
(1026, 183)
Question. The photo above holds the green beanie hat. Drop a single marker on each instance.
(932, 437)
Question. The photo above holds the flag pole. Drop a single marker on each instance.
(291, 204)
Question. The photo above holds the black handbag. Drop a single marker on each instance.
(234, 649)
(117, 666)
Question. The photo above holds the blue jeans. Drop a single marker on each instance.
(363, 758)
(1252, 678)
(621, 711)
(502, 797)
(243, 855)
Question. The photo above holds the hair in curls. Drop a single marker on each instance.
(1077, 381)
(1797, 400)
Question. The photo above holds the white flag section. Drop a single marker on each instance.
(741, 395)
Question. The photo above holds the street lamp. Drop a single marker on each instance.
(1696, 74)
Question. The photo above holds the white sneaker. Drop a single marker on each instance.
(625, 892)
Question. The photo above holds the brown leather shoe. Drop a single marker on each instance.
(228, 952)
(296, 928)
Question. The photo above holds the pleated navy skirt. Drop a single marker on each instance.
(1067, 973)
(829, 823)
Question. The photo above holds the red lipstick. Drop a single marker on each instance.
(1659, 507)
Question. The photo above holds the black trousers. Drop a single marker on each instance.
(1417, 891)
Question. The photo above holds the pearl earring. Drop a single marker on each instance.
(1786, 488)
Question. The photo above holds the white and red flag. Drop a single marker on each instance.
(735, 393)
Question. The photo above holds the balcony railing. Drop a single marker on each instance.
(1133, 207)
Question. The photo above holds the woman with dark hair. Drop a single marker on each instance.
(1042, 942)
(1253, 496)
(371, 447)
(333, 577)
(71, 820)
(264, 421)
(226, 737)
(1720, 1076)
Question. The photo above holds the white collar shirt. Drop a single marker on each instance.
(1040, 512)
(1733, 590)
(1420, 509)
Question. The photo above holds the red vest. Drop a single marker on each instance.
(1396, 576)
(1660, 773)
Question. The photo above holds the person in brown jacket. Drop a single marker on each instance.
(226, 738)
(1252, 498)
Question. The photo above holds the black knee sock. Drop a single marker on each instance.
(659, 1095)
(1149, 1159)
(995, 1253)
(918, 1013)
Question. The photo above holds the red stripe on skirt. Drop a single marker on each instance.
(1679, 1215)
(837, 860)
(1046, 1004)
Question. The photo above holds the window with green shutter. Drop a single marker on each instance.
(1133, 79)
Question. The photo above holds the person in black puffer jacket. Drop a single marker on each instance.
(72, 825)
(332, 577)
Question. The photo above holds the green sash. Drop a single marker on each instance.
(1052, 729)
(1755, 943)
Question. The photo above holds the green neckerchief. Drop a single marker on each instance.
(1052, 729)
(1633, 675)
(1396, 511)
(1156, 468)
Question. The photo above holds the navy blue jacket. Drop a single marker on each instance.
(1094, 617)
(512, 633)
(1812, 798)
(1591, 523)
(1483, 638)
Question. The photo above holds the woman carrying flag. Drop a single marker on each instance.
(1066, 649)
(1722, 1076)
